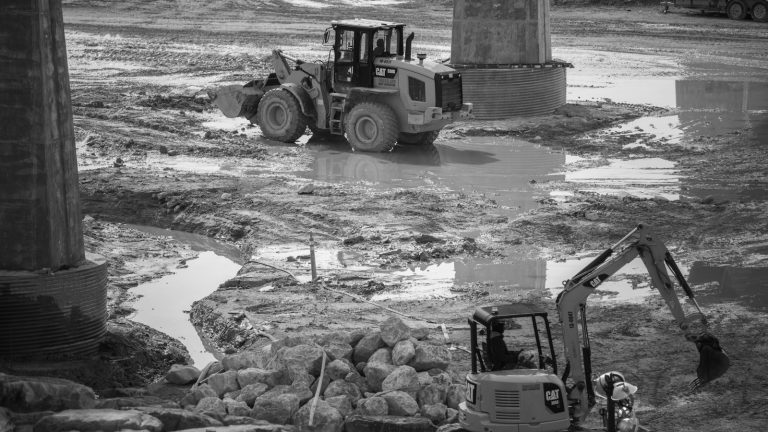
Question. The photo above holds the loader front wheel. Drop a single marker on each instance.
(280, 117)
(372, 127)
(760, 11)
(736, 10)
(418, 138)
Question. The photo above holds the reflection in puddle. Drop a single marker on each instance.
(664, 129)
(165, 301)
(643, 178)
(502, 169)
(447, 279)
(742, 283)
(704, 109)
(513, 277)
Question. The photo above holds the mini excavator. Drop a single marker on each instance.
(530, 396)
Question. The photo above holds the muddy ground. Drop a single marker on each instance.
(140, 71)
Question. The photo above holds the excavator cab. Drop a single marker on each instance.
(499, 325)
(512, 385)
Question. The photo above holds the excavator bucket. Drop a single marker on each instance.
(713, 361)
(238, 100)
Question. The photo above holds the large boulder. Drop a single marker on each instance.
(326, 418)
(455, 395)
(270, 377)
(420, 333)
(211, 406)
(306, 358)
(223, 382)
(337, 369)
(193, 396)
(182, 374)
(289, 342)
(430, 357)
(393, 330)
(375, 373)
(381, 355)
(278, 409)
(432, 394)
(136, 401)
(401, 403)
(403, 352)
(247, 359)
(341, 403)
(435, 412)
(360, 381)
(322, 383)
(103, 420)
(236, 408)
(367, 346)
(402, 378)
(302, 392)
(26, 394)
(373, 406)
(343, 388)
(338, 350)
(251, 392)
(342, 337)
(174, 419)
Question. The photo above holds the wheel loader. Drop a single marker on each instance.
(372, 92)
(504, 393)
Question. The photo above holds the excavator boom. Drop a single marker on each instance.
(571, 305)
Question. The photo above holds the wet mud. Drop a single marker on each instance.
(660, 129)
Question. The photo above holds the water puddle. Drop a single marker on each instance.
(745, 284)
(164, 303)
(510, 276)
(503, 169)
(642, 177)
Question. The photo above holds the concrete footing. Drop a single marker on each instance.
(53, 315)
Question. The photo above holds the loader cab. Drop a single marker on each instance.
(356, 45)
(511, 336)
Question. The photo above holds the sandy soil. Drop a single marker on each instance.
(148, 155)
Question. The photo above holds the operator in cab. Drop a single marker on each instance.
(500, 356)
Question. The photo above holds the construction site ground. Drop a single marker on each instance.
(153, 151)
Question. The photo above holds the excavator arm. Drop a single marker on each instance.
(571, 306)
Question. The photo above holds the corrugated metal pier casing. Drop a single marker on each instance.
(499, 92)
(53, 316)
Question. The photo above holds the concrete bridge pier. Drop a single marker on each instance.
(52, 294)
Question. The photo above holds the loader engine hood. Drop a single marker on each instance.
(427, 68)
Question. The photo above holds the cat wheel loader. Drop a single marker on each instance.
(372, 92)
(505, 392)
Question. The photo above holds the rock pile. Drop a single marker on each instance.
(392, 378)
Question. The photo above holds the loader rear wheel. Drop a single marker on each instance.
(280, 117)
(760, 11)
(372, 127)
(418, 138)
(736, 10)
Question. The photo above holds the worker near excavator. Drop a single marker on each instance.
(614, 386)
(500, 355)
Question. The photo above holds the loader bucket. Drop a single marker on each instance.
(713, 361)
(237, 100)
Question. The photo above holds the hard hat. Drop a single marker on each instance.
(609, 378)
(623, 390)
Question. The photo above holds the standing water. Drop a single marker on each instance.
(163, 303)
